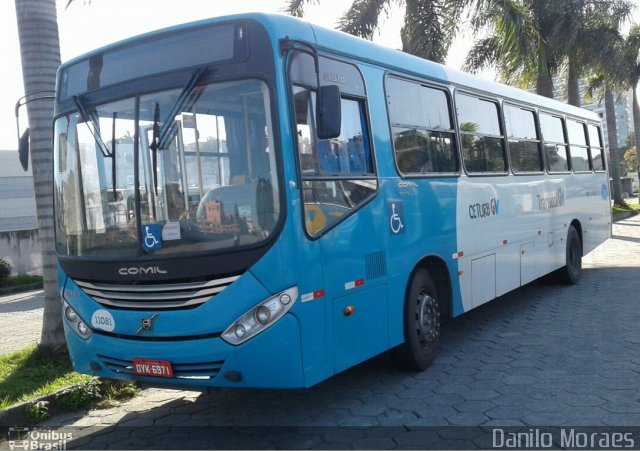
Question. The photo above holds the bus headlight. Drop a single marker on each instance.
(70, 313)
(260, 317)
(74, 321)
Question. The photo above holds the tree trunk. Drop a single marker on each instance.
(544, 83)
(612, 136)
(636, 126)
(573, 87)
(40, 52)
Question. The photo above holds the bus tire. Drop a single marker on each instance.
(421, 323)
(572, 271)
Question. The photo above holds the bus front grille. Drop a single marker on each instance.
(157, 296)
(192, 371)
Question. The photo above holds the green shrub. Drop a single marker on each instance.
(37, 411)
(80, 396)
(5, 272)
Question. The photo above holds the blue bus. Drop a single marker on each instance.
(255, 201)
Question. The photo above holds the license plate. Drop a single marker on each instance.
(150, 367)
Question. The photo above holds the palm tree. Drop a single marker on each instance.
(623, 73)
(602, 78)
(630, 71)
(584, 31)
(517, 42)
(40, 51)
(429, 25)
(532, 39)
(612, 132)
(597, 82)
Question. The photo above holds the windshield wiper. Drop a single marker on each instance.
(95, 132)
(94, 129)
(169, 128)
(161, 136)
(155, 145)
(113, 156)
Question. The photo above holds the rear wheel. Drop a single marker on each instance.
(572, 271)
(421, 323)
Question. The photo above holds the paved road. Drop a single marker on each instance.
(542, 355)
(20, 320)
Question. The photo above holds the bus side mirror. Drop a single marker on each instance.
(328, 112)
(23, 150)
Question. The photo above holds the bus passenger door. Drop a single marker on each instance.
(339, 184)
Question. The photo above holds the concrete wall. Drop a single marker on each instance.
(22, 250)
(19, 243)
(17, 199)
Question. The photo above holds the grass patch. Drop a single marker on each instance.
(19, 281)
(32, 372)
(113, 392)
(18, 284)
(618, 209)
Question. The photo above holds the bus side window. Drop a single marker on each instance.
(595, 147)
(483, 146)
(423, 135)
(580, 161)
(524, 143)
(555, 143)
(337, 174)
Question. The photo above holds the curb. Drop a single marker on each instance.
(625, 215)
(21, 288)
(16, 415)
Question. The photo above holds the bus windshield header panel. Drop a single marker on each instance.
(156, 54)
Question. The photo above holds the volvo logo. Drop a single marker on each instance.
(146, 324)
(334, 78)
(140, 270)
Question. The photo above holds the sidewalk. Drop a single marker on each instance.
(20, 320)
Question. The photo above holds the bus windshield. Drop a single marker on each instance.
(201, 177)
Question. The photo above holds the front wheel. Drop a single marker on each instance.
(572, 271)
(421, 323)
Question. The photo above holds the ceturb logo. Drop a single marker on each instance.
(491, 208)
(140, 270)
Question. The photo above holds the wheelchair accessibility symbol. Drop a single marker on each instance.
(396, 217)
(151, 237)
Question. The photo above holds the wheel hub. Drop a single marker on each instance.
(428, 319)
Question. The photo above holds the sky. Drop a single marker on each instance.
(86, 25)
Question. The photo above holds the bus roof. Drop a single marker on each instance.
(337, 42)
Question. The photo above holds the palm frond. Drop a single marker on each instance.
(295, 8)
(362, 17)
(483, 54)
(69, 2)
(423, 33)
(594, 87)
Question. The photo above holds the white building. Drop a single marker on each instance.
(19, 243)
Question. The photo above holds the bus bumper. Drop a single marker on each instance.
(272, 359)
